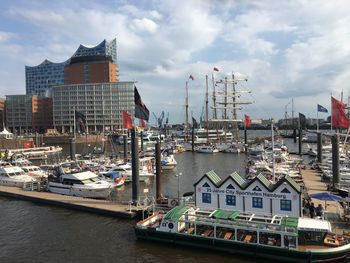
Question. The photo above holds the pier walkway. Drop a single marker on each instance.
(104, 207)
(313, 184)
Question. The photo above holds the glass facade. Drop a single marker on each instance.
(101, 103)
(48, 74)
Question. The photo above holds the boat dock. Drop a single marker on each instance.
(314, 184)
(104, 207)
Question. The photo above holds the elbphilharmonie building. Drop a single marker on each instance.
(40, 78)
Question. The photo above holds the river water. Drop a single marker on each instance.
(37, 233)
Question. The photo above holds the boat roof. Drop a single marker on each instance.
(80, 176)
(176, 212)
(224, 214)
(314, 225)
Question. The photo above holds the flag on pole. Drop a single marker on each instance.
(191, 77)
(302, 121)
(142, 123)
(80, 120)
(141, 110)
(247, 121)
(215, 69)
(339, 118)
(127, 120)
(321, 108)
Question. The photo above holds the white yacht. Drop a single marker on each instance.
(13, 176)
(168, 162)
(206, 149)
(34, 171)
(83, 184)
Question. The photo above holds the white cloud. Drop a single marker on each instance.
(287, 48)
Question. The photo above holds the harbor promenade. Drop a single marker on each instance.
(314, 184)
(104, 207)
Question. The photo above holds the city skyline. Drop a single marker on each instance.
(289, 49)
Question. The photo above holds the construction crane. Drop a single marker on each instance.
(159, 120)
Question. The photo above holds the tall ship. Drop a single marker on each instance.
(279, 238)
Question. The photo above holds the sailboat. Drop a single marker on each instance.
(227, 101)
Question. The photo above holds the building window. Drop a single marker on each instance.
(230, 200)
(286, 205)
(206, 198)
(257, 202)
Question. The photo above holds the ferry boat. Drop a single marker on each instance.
(280, 238)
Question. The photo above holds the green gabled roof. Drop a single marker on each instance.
(290, 222)
(264, 181)
(213, 177)
(176, 212)
(238, 179)
(293, 183)
(224, 214)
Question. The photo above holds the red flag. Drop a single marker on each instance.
(191, 77)
(339, 118)
(142, 123)
(215, 69)
(247, 121)
(127, 120)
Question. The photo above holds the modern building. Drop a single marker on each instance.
(90, 69)
(42, 77)
(2, 114)
(258, 196)
(27, 113)
(102, 105)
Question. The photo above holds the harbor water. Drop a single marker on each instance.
(37, 233)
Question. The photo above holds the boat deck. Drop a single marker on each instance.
(104, 207)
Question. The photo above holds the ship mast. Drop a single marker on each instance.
(186, 107)
(206, 107)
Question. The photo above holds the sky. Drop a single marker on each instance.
(286, 49)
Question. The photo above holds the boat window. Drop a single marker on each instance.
(270, 239)
(246, 235)
(310, 237)
(225, 233)
(290, 241)
(205, 230)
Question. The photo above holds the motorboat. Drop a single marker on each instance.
(35, 172)
(14, 176)
(82, 184)
(206, 149)
(114, 177)
(168, 162)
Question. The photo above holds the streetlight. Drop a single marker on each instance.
(178, 187)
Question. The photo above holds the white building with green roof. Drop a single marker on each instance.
(258, 196)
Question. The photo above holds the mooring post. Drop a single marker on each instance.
(141, 135)
(245, 141)
(158, 172)
(300, 140)
(319, 147)
(135, 167)
(125, 145)
(335, 160)
(295, 135)
(72, 149)
(192, 139)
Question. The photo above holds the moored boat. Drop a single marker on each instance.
(281, 238)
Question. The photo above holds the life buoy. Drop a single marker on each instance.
(173, 202)
(149, 168)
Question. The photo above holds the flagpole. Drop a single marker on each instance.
(74, 128)
(317, 118)
(331, 114)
